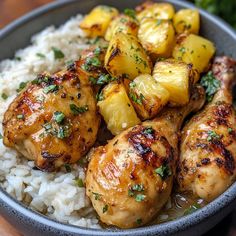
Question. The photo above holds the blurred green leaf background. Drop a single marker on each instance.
(225, 9)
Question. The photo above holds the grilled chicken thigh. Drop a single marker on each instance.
(54, 121)
(130, 179)
(208, 148)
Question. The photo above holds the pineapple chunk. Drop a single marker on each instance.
(187, 21)
(122, 23)
(157, 36)
(117, 109)
(125, 57)
(195, 50)
(96, 22)
(176, 77)
(155, 10)
(148, 96)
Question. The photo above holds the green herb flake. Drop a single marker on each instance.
(18, 58)
(230, 130)
(58, 54)
(192, 209)
(58, 116)
(159, 21)
(105, 79)
(50, 88)
(104, 209)
(22, 85)
(63, 132)
(4, 96)
(211, 84)
(138, 187)
(1, 137)
(97, 51)
(92, 80)
(97, 196)
(68, 168)
(79, 182)
(100, 96)
(139, 197)
(148, 130)
(182, 49)
(20, 116)
(163, 171)
(78, 110)
(40, 55)
(139, 221)
(137, 99)
(47, 126)
(130, 12)
(132, 85)
(212, 135)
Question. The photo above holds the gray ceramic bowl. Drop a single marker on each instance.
(17, 35)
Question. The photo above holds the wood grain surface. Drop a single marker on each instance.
(9, 11)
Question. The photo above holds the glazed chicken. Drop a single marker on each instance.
(208, 148)
(54, 121)
(130, 179)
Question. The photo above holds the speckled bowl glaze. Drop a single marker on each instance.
(17, 35)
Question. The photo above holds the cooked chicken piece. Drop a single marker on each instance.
(130, 179)
(208, 148)
(54, 121)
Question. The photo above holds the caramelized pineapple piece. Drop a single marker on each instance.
(122, 23)
(187, 21)
(195, 50)
(176, 77)
(148, 96)
(96, 22)
(157, 36)
(117, 109)
(125, 57)
(155, 10)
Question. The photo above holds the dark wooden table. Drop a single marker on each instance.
(9, 11)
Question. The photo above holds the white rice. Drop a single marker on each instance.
(53, 194)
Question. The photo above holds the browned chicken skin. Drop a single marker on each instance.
(208, 148)
(130, 179)
(54, 121)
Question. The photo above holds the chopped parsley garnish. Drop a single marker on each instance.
(192, 209)
(139, 221)
(97, 196)
(137, 99)
(105, 79)
(58, 54)
(92, 80)
(230, 130)
(159, 21)
(40, 55)
(47, 126)
(135, 190)
(18, 58)
(58, 116)
(182, 49)
(22, 85)
(163, 171)
(63, 132)
(67, 167)
(97, 51)
(100, 96)
(20, 116)
(104, 209)
(4, 96)
(148, 130)
(139, 197)
(79, 182)
(212, 135)
(130, 12)
(91, 61)
(50, 88)
(41, 79)
(211, 84)
(78, 110)
(132, 85)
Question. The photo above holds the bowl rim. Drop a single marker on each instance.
(185, 222)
